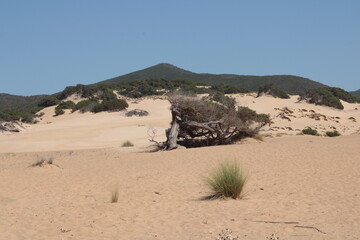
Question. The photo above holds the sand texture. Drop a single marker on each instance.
(299, 187)
(313, 181)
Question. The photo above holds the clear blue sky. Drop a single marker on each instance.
(48, 45)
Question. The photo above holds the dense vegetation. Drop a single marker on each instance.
(328, 96)
(287, 83)
(18, 107)
(268, 89)
(356, 94)
(18, 103)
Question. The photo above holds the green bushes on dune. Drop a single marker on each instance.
(328, 96)
(110, 105)
(269, 89)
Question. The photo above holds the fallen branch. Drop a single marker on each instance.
(298, 226)
(277, 222)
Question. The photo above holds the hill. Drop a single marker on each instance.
(356, 93)
(18, 103)
(290, 84)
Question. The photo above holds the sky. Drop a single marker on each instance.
(48, 45)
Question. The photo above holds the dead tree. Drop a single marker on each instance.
(210, 121)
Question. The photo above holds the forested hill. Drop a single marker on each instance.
(288, 83)
(356, 93)
(18, 103)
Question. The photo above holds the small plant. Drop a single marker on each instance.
(333, 134)
(226, 235)
(272, 237)
(227, 180)
(309, 131)
(42, 162)
(127, 144)
(115, 195)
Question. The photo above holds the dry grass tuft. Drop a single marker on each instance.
(115, 195)
(227, 180)
(42, 162)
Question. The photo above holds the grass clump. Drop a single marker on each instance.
(127, 144)
(227, 180)
(309, 131)
(332, 133)
(115, 195)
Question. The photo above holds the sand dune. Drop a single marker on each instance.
(300, 187)
(88, 130)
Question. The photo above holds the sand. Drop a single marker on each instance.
(299, 187)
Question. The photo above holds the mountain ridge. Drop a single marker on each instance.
(289, 83)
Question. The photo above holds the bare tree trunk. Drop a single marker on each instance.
(173, 132)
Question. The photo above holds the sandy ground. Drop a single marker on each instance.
(313, 181)
(300, 187)
(88, 131)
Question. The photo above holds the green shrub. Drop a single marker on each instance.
(107, 95)
(309, 131)
(127, 144)
(24, 116)
(68, 91)
(226, 89)
(85, 106)
(227, 180)
(27, 117)
(48, 101)
(343, 95)
(111, 105)
(275, 92)
(59, 110)
(333, 133)
(323, 96)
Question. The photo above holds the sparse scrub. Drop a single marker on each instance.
(309, 131)
(333, 133)
(42, 162)
(227, 180)
(127, 144)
